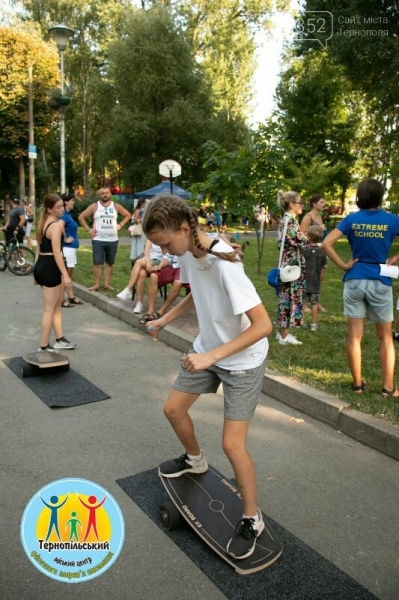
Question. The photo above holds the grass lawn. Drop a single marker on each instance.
(321, 360)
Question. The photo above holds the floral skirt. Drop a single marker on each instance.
(290, 304)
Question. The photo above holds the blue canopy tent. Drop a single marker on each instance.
(163, 188)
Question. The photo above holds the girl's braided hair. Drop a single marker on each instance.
(168, 213)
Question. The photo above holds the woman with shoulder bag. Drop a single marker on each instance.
(290, 293)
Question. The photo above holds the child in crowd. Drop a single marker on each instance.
(316, 262)
(231, 349)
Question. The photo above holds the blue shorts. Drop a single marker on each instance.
(241, 389)
(368, 297)
(104, 252)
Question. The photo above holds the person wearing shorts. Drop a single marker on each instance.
(104, 233)
(367, 293)
(169, 275)
(70, 246)
(230, 349)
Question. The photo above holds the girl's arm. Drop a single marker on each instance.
(170, 316)
(55, 236)
(327, 247)
(394, 259)
(305, 223)
(261, 326)
(295, 237)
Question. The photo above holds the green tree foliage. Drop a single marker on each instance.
(365, 44)
(222, 37)
(95, 25)
(161, 99)
(248, 176)
(21, 48)
(319, 116)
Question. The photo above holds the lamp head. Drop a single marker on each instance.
(61, 35)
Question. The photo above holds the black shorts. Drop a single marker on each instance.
(46, 272)
(10, 234)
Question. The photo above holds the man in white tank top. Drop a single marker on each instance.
(104, 233)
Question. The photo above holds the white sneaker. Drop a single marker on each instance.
(278, 336)
(247, 531)
(139, 308)
(64, 344)
(289, 339)
(125, 294)
(313, 327)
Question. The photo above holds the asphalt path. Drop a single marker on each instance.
(336, 495)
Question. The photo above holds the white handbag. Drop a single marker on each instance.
(288, 272)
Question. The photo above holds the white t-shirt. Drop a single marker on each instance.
(222, 294)
(106, 222)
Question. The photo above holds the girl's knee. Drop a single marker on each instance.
(233, 448)
(173, 411)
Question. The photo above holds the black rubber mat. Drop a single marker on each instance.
(58, 390)
(299, 574)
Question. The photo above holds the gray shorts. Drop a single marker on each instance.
(241, 389)
(104, 252)
(368, 297)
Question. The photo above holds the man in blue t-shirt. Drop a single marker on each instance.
(370, 233)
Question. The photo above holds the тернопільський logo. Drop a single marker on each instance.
(72, 530)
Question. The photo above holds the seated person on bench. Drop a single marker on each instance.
(169, 274)
(153, 260)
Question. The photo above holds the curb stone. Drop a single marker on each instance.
(369, 430)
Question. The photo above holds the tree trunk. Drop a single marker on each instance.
(21, 176)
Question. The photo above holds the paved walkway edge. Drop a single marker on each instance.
(369, 430)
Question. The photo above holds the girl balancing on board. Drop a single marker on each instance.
(231, 350)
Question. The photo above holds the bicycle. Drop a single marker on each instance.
(19, 259)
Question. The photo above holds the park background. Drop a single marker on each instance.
(179, 79)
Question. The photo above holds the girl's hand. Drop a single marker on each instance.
(394, 259)
(67, 281)
(197, 362)
(69, 240)
(154, 327)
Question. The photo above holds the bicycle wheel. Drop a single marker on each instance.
(3, 265)
(21, 260)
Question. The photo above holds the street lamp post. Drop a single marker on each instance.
(61, 35)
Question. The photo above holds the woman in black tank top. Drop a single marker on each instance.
(317, 205)
(50, 272)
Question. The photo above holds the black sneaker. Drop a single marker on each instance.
(243, 543)
(183, 464)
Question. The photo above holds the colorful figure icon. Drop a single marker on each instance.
(53, 506)
(92, 522)
(73, 522)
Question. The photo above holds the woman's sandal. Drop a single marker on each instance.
(358, 389)
(389, 393)
(75, 301)
(67, 304)
(149, 317)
